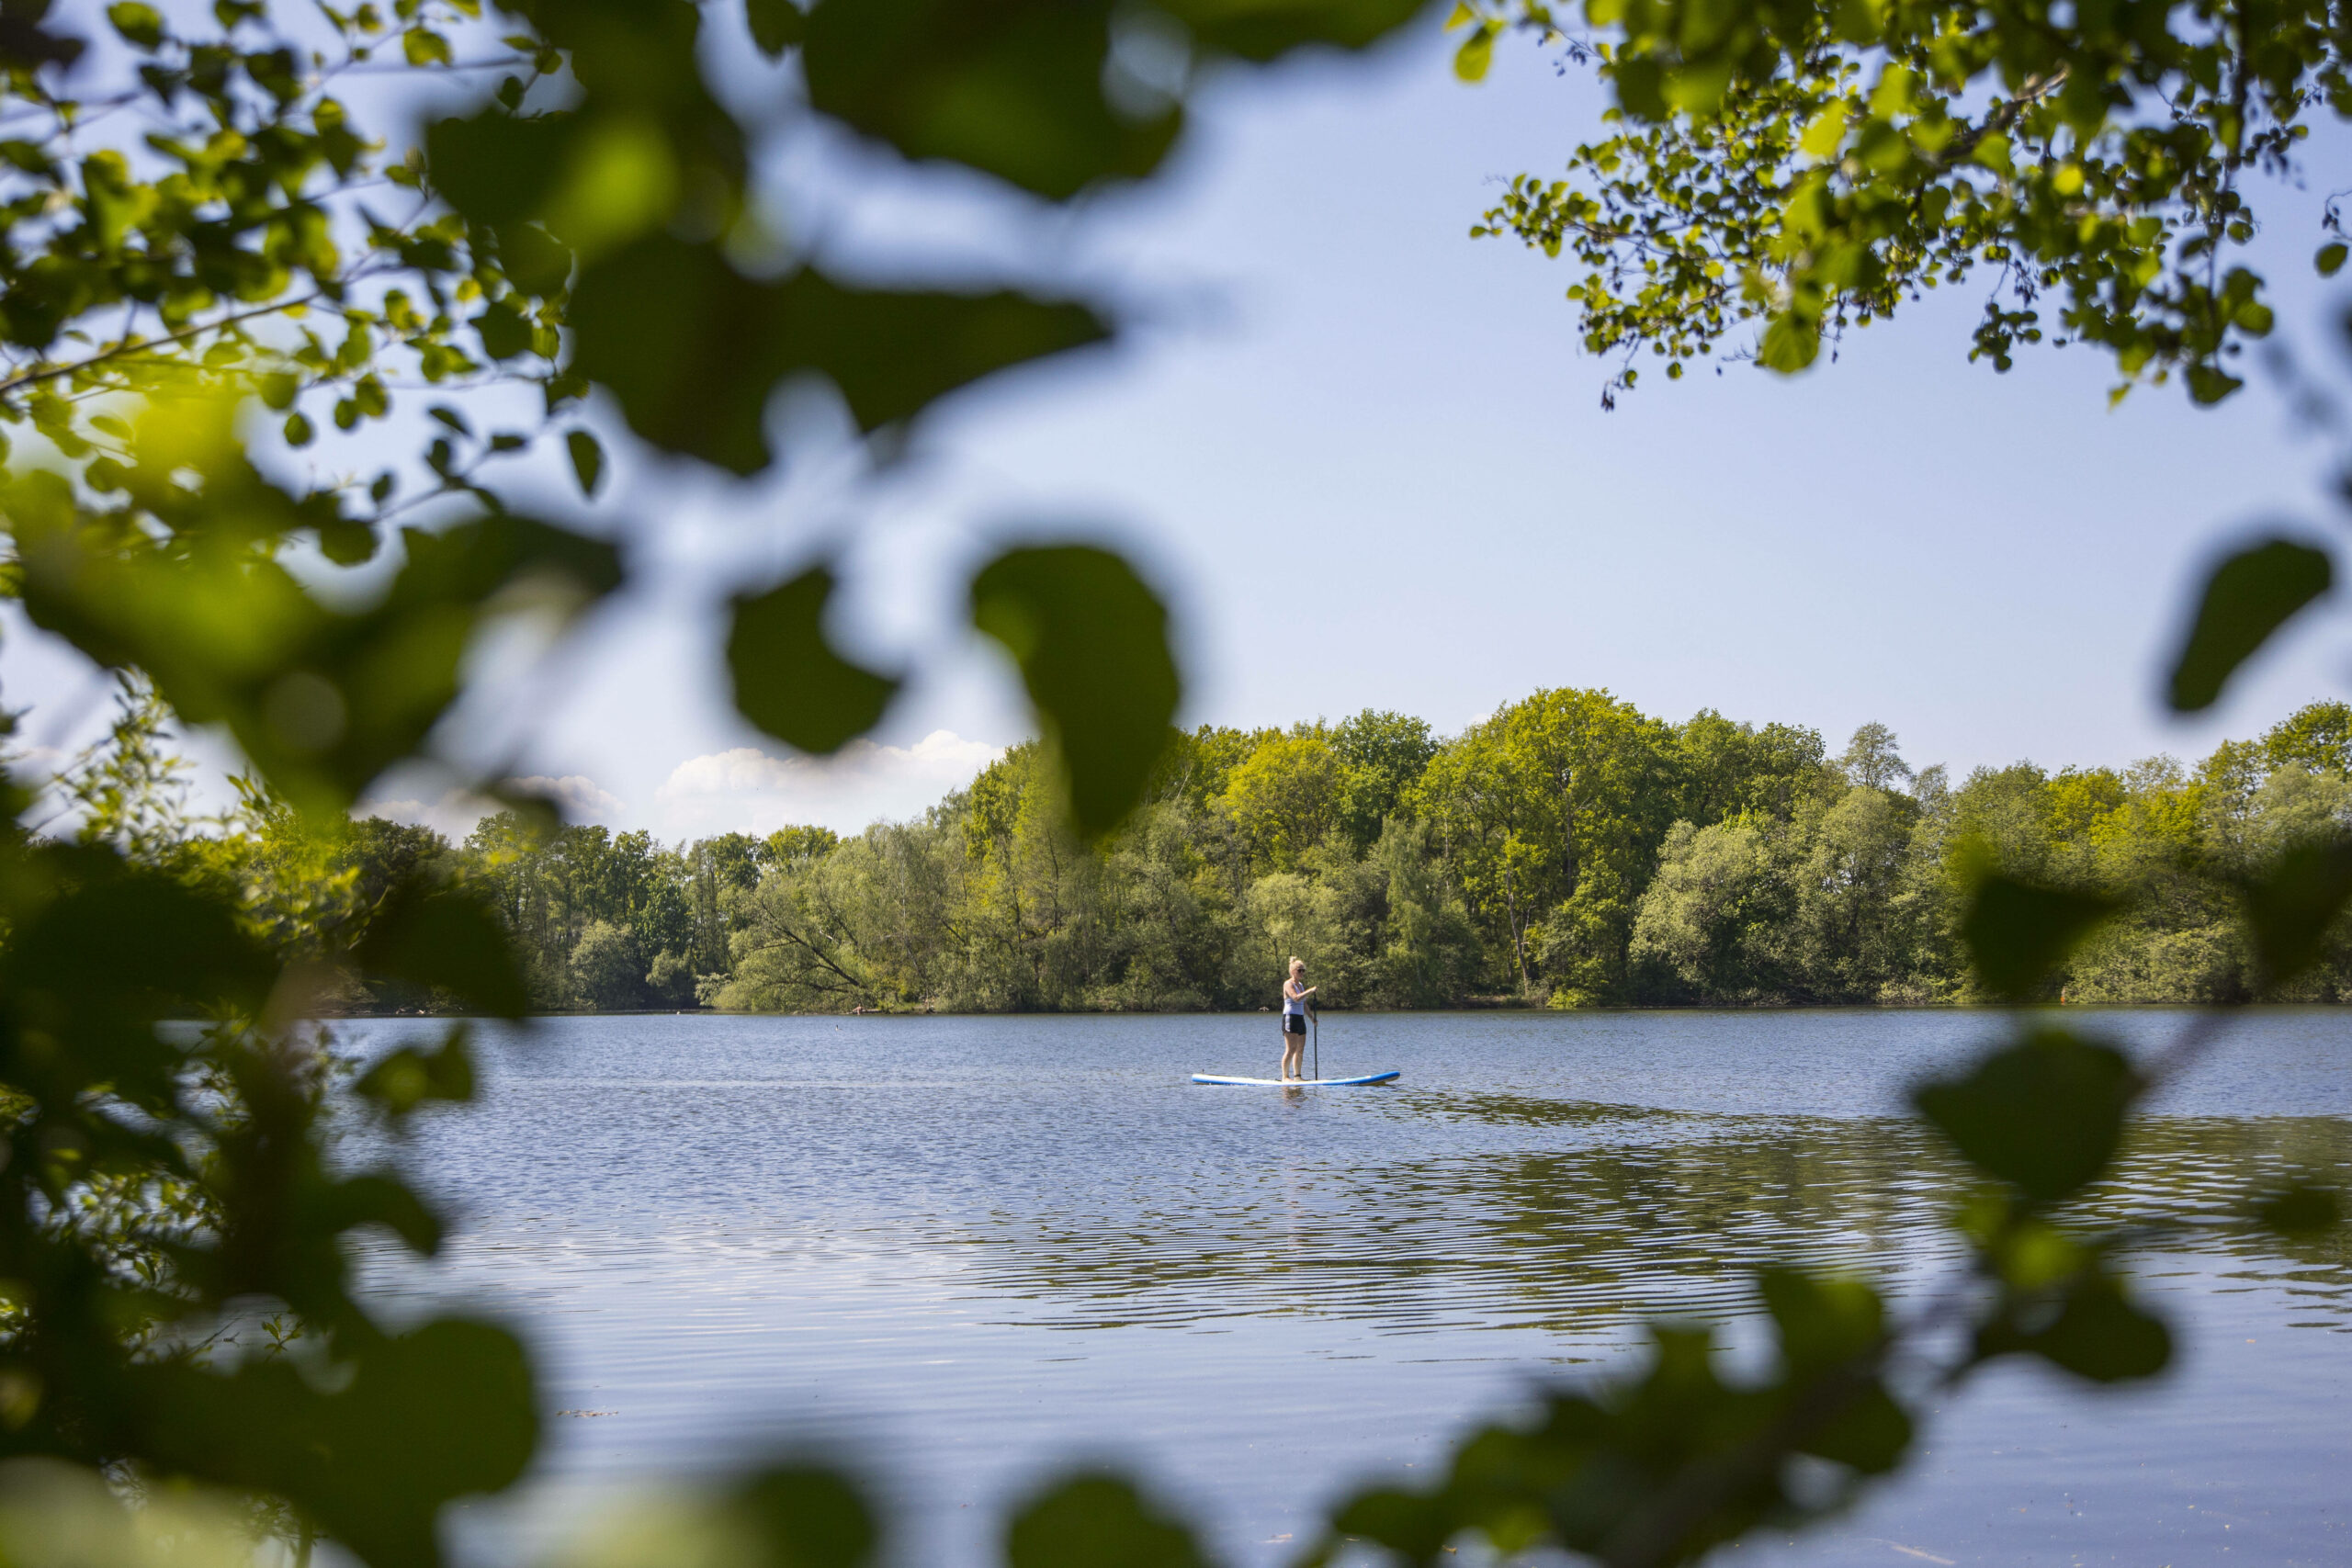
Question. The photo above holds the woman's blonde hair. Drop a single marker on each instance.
(1298, 962)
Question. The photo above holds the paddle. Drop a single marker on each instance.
(1315, 1030)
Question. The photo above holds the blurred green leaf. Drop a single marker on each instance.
(1265, 30)
(2330, 259)
(381, 1200)
(1822, 1321)
(788, 679)
(92, 971)
(1097, 1521)
(500, 168)
(2099, 1333)
(1015, 88)
(504, 331)
(449, 940)
(1091, 642)
(1410, 1525)
(2292, 906)
(2248, 597)
(587, 460)
(2044, 1114)
(536, 261)
(2300, 1209)
(2018, 933)
(140, 25)
(807, 1519)
(321, 700)
(1790, 343)
(776, 24)
(693, 349)
(408, 1078)
(428, 1416)
(59, 1516)
(1476, 54)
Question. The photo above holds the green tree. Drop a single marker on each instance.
(1550, 814)
(1812, 169)
(1727, 768)
(1705, 929)
(2317, 735)
(1381, 756)
(1286, 795)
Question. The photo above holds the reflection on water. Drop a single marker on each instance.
(975, 1248)
(1652, 1213)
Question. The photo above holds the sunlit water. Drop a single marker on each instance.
(966, 1254)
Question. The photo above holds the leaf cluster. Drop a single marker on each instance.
(1809, 168)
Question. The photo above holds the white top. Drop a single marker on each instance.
(1291, 1003)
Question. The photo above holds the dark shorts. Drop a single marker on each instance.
(1294, 1023)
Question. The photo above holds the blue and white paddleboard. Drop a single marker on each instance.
(1298, 1083)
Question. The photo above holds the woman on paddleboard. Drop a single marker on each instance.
(1294, 994)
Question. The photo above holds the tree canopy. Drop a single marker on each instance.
(1811, 168)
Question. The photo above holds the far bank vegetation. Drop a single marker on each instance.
(1568, 851)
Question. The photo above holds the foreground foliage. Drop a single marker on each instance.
(196, 220)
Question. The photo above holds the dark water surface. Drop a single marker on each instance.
(966, 1253)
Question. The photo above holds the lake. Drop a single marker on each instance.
(967, 1254)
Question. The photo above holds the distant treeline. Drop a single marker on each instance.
(1568, 851)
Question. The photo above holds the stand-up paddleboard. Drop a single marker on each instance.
(1298, 1083)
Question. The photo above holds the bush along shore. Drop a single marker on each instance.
(1569, 851)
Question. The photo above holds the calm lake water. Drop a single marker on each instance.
(966, 1254)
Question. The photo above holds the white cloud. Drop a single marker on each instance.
(453, 816)
(454, 813)
(745, 790)
(578, 796)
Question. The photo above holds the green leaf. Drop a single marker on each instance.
(96, 968)
(2102, 1334)
(788, 680)
(1097, 1521)
(2292, 906)
(321, 700)
(2209, 384)
(776, 24)
(1091, 642)
(2248, 597)
(505, 331)
(429, 1416)
(692, 348)
(2300, 1210)
(1791, 344)
(2044, 1115)
(408, 1078)
(587, 460)
(381, 1200)
(1410, 1526)
(534, 260)
(1869, 1435)
(346, 542)
(422, 46)
(2330, 259)
(1476, 53)
(1263, 30)
(498, 168)
(139, 25)
(448, 940)
(1015, 88)
(2018, 932)
(807, 1519)
(1822, 1322)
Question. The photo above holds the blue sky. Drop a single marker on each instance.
(1365, 456)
